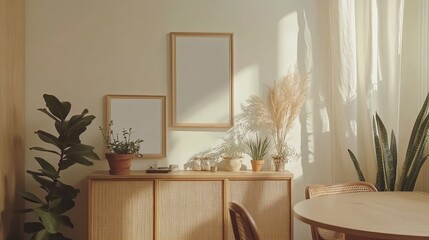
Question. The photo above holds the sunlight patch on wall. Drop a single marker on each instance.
(246, 80)
(287, 43)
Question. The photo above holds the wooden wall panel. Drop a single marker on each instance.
(11, 115)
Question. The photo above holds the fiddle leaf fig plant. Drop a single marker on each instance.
(66, 150)
(386, 154)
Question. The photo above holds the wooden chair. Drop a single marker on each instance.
(313, 191)
(243, 225)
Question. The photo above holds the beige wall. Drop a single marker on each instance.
(11, 115)
(81, 50)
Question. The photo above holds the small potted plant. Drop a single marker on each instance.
(120, 151)
(257, 149)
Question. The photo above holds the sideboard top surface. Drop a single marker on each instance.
(183, 174)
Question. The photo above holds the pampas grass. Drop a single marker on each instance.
(283, 105)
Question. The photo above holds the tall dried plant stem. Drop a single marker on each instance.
(285, 100)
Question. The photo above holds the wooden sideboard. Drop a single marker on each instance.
(186, 205)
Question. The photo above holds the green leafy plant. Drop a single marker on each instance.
(386, 154)
(66, 146)
(257, 148)
(115, 144)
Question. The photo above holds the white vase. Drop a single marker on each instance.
(232, 164)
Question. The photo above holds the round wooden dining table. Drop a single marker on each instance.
(369, 215)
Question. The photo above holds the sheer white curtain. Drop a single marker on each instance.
(366, 43)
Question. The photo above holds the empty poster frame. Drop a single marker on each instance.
(201, 80)
(145, 114)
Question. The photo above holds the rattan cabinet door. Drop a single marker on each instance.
(121, 210)
(269, 203)
(190, 210)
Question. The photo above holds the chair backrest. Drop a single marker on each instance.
(243, 225)
(313, 191)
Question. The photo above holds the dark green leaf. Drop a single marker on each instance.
(63, 206)
(48, 138)
(81, 160)
(30, 197)
(66, 164)
(47, 168)
(41, 235)
(35, 173)
(78, 149)
(57, 108)
(65, 191)
(48, 113)
(45, 184)
(44, 150)
(49, 220)
(25, 210)
(32, 227)
(66, 221)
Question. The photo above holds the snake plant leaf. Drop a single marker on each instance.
(415, 157)
(386, 156)
(31, 197)
(394, 152)
(357, 166)
(414, 154)
(379, 183)
(57, 108)
(413, 142)
(413, 171)
(48, 138)
(47, 168)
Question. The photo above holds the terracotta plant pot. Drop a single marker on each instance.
(257, 165)
(232, 164)
(119, 163)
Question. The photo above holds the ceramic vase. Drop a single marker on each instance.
(232, 164)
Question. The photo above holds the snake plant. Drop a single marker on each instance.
(68, 150)
(386, 154)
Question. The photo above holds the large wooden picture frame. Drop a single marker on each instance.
(145, 114)
(201, 80)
